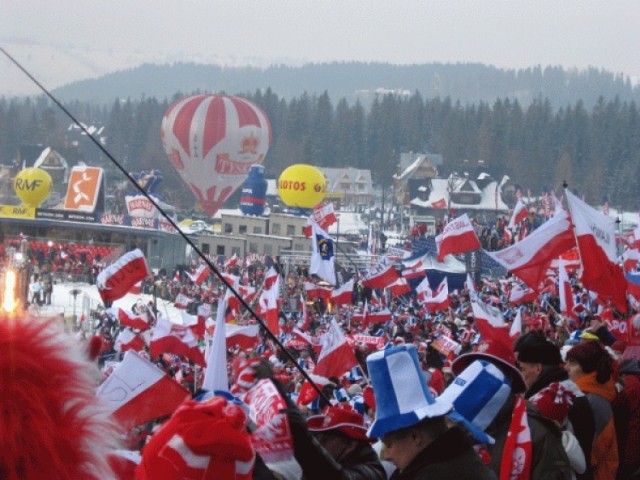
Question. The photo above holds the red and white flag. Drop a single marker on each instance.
(423, 290)
(128, 340)
(200, 275)
(316, 291)
(415, 271)
(379, 316)
(270, 278)
(520, 294)
(336, 356)
(323, 215)
(268, 304)
(567, 302)
(230, 262)
(530, 258)
(244, 337)
(399, 287)
(482, 311)
(520, 213)
(182, 301)
(440, 300)
(630, 259)
(127, 318)
(118, 278)
(442, 203)
(177, 339)
(381, 275)
(307, 393)
(343, 295)
(137, 391)
(596, 238)
(458, 236)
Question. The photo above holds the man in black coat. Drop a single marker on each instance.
(540, 361)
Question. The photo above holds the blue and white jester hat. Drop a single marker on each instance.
(400, 389)
(477, 395)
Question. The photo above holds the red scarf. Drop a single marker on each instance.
(516, 456)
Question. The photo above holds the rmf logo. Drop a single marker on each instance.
(25, 184)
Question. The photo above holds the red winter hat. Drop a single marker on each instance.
(213, 432)
(554, 402)
(341, 417)
(499, 354)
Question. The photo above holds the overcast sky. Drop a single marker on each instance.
(64, 40)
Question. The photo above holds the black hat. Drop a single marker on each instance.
(533, 347)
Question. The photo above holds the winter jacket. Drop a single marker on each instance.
(450, 456)
(582, 422)
(549, 460)
(628, 423)
(604, 454)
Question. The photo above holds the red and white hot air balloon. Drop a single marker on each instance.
(212, 141)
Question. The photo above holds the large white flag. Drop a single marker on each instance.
(322, 255)
(215, 375)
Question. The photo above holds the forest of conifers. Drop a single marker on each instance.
(596, 150)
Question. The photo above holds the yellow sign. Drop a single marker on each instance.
(13, 211)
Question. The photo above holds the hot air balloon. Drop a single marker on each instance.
(212, 141)
(33, 186)
(254, 192)
(302, 186)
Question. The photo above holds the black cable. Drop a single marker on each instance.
(213, 268)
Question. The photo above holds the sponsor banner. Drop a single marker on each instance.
(378, 342)
(114, 219)
(83, 192)
(141, 206)
(15, 211)
(68, 215)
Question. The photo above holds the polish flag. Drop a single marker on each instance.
(596, 238)
(519, 294)
(268, 304)
(182, 301)
(442, 203)
(376, 301)
(520, 213)
(458, 236)
(137, 392)
(243, 336)
(316, 291)
(270, 278)
(423, 290)
(307, 393)
(118, 278)
(128, 340)
(136, 289)
(197, 323)
(482, 311)
(305, 319)
(567, 302)
(530, 258)
(323, 215)
(344, 294)
(440, 300)
(381, 275)
(231, 261)
(380, 316)
(336, 356)
(200, 275)
(416, 271)
(127, 318)
(247, 292)
(399, 287)
(630, 259)
(177, 339)
(306, 338)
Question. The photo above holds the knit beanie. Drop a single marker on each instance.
(554, 402)
(533, 347)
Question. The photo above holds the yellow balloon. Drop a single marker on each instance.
(302, 186)
(33, 186)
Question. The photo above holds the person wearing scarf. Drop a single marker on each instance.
(591, 368)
